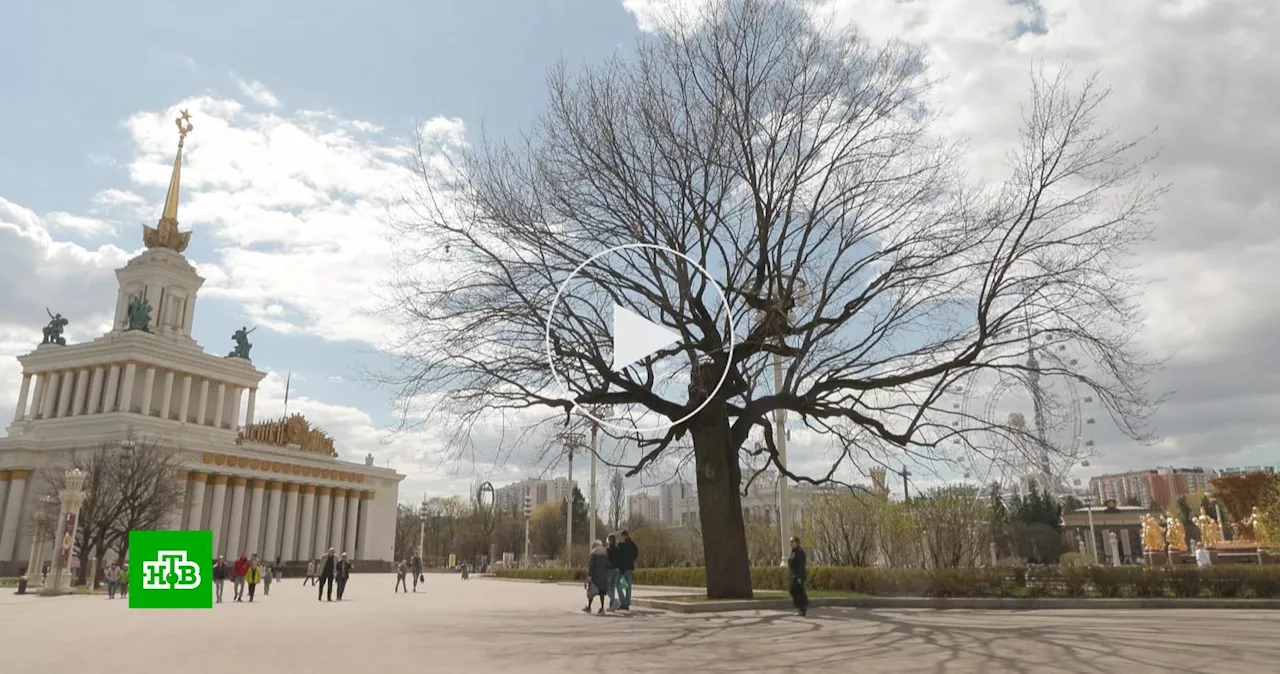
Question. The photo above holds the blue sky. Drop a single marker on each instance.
(302, 113)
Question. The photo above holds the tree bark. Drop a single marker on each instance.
(724, 534)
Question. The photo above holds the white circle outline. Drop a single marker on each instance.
(728, 312)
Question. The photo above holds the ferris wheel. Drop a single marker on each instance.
(1023, 425)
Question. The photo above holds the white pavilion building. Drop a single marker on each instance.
(274, 488)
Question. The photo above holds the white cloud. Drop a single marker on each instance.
(77, 223)
(297, 207)
(258, 93)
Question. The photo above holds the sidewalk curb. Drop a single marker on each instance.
(967, 603)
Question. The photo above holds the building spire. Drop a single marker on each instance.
(165, 234)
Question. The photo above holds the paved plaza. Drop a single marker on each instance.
(486, 625)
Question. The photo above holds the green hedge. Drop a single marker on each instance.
(1050, 581)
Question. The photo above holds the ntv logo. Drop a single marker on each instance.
(171, 571)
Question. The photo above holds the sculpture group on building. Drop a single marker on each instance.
(241, 338)
(138, 315)
(293, 430)
(53, 331)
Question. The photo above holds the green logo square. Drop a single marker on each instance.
(171, 569)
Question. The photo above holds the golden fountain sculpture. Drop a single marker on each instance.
(293, 430)
(1152, 534)
(1210, 530)
(1175, 534)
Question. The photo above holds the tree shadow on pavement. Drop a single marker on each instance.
(900, 641)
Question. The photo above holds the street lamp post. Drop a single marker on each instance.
(422, 529)
(71, 498)
(571, 442)
(43, 520)
(528, 515)
(799, 298)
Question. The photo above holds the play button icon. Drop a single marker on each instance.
(634, 327)
(636, 337)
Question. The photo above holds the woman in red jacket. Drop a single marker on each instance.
(238, 571)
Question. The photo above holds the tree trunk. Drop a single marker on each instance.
(724, 535)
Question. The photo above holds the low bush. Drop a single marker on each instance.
(1261, 582)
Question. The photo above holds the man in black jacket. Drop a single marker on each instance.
(326, 575)
(799, 567)
(220, 573)
(627, 555)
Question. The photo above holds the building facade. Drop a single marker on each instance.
(1159, 486)
(275, 488)
(644, 507)
(510, 499)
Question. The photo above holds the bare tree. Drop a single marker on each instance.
(128, 487)
(617, 500)
(407, 530)
(794, 161)
(840, 528)
(954, 525)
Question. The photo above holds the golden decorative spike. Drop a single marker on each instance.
(165, 234)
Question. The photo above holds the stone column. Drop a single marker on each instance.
(248, 414)
(255, 518)
(37, 396)
(216, 508)
(21, 412)
(202, 406)
(4, 495)
(220, 406)
(237, 394)
(50, 396)
(95, 392)
(196, 513)
(64, 393)
(289, 542)
(322, 521)
(82, 387)
(336, 538)
(126, 387)
(177, 518)
(308, 524)
(18, 479)
(148, 390)
(166, 397)
(362, 536)
(353, 521)
(184, 405)
(271, 546)
(237, 516)
(111, 396)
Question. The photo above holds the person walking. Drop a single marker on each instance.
(311, 573)
(401, 569)
(220, 572)
(342, 572)
(278, 568)
(628, 553)
(798, 565)
(597, 576)
(416, 567)
(253, 576)
(268, 575)
(238, 571)
(1203, 560)
(326, 569)
(611, 549)
(112, 574)
(124, 580)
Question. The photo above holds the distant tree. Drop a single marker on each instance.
(660, 547)
(1239, 494)
(954, 525)
(839, 528)
(617, 500)
(407, 530)
(546, 530)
